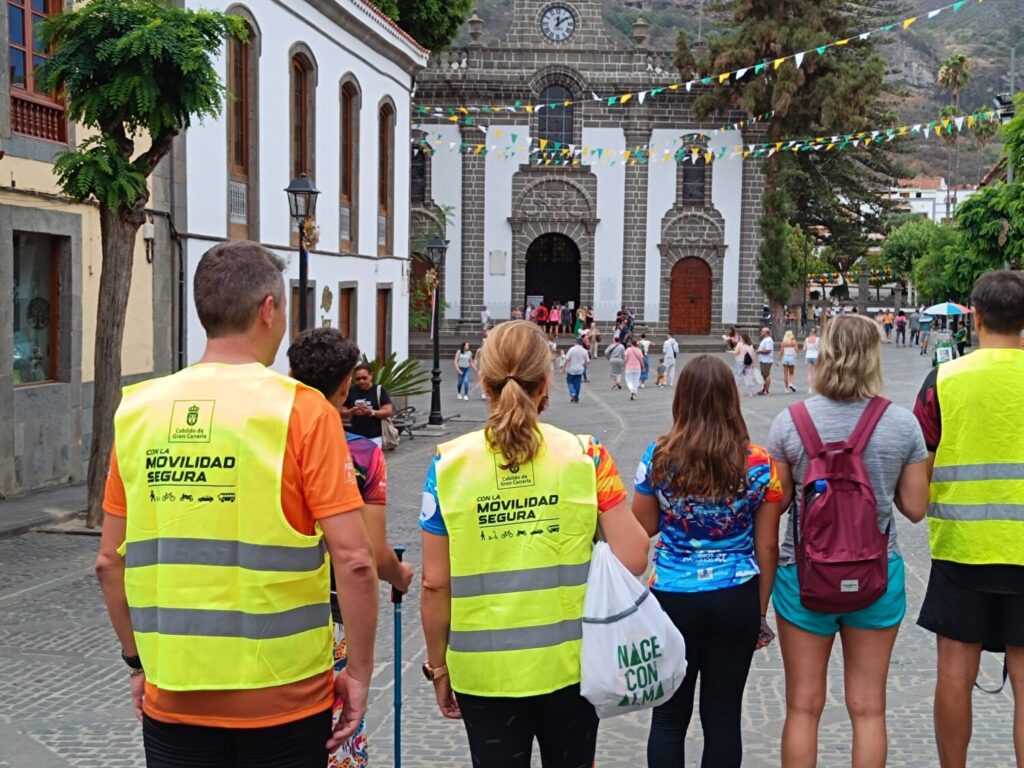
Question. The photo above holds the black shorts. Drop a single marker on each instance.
(958, 612)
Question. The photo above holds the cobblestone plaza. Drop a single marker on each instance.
(64, 691)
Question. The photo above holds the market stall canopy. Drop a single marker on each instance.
(947, 308)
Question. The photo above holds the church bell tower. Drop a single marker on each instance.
(559, 24)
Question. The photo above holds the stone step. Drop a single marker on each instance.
(421, 345)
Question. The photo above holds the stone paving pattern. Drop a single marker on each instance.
(64, 691)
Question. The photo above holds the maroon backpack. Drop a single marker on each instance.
(842, 558)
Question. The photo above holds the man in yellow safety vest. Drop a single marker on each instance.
(971, 411)
(229, 486)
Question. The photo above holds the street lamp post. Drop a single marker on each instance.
(436, 251)
(302, 196)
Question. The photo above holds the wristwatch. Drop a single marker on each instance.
(434, 673)
(134, 662)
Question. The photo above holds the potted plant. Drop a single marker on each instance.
(402, 380)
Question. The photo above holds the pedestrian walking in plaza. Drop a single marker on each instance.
(765, 358)
(477, 357)
(901, 329)
(463, 370)
(540, 316)
(915, 328)
(485, 319)
(577, 360)
(884, 467)
(581, 321)
(670, 350)
(744, 372)
(972, 413)
(711, 494)
(888, 319)
(567, 316)
(367, 405)
(645, 348)
(323, 359)
(662, 369)
(634, 362)
(203, 549)
(926, 329)
(616, 354)
(502, 599)
(961, 338)
(811, 345)
(789, 352)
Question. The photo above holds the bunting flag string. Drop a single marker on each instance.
(468, 115)
(686, 149)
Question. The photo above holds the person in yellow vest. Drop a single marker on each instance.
(229, 486)
(509, 518)
(971, 411)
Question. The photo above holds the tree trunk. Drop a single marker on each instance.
(118, 229)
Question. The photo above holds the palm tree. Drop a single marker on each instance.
(954, 74)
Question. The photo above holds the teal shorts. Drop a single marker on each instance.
(887, 611)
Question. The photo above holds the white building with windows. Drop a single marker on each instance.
(321, 87)
(930, 196)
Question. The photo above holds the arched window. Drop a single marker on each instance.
(555, 122)
(695, 174)
(302, 135)
(385, 178)
(349, 218)
(243, 90)
(418, 177)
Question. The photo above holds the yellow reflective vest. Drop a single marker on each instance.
(976, 514)
(520, 541)
(224, 593)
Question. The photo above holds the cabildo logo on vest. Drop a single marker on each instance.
(191, 421)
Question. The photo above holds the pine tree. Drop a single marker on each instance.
(837, 197)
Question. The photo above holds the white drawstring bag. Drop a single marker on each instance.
(633, 656)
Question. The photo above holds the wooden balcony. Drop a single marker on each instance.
(40, 120)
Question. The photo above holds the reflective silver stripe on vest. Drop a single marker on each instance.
(518, 639)
(977, 512)
(527, 580)
(966, 472)
(252, 557)
(196, 622)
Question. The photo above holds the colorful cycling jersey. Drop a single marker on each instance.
(708, 544)
(610, 490)
(371, 470)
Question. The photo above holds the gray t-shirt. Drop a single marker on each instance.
(896, 441)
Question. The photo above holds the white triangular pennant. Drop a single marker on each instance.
(799, 58)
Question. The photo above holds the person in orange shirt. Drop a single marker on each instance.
(240, 299)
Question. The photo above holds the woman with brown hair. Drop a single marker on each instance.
(712, 495)
(509, 516)
(848, 377)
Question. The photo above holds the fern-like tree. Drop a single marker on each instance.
(137, 72)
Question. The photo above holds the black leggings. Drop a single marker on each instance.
(720, 629)
(300, 744)
(501, 730)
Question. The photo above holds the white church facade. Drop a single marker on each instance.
(580, 201)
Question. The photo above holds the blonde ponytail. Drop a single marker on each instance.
(515, 363)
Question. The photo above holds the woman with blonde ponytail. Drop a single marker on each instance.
(509, 516)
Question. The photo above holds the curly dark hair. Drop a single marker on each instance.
(322, 358)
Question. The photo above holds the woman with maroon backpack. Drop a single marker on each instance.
(850, 458)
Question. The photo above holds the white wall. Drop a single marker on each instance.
(727, 197)
(337, 52)
(611, 198)
(661, 196)
(446, 189)
(500, 168)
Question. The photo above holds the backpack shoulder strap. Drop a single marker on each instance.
(806, 429)
(858, 439)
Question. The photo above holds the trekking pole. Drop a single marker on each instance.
(396, 600)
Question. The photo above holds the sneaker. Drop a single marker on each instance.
(792, 388)
(632, 396)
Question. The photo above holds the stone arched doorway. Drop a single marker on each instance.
(690, 298)
(553, 270)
